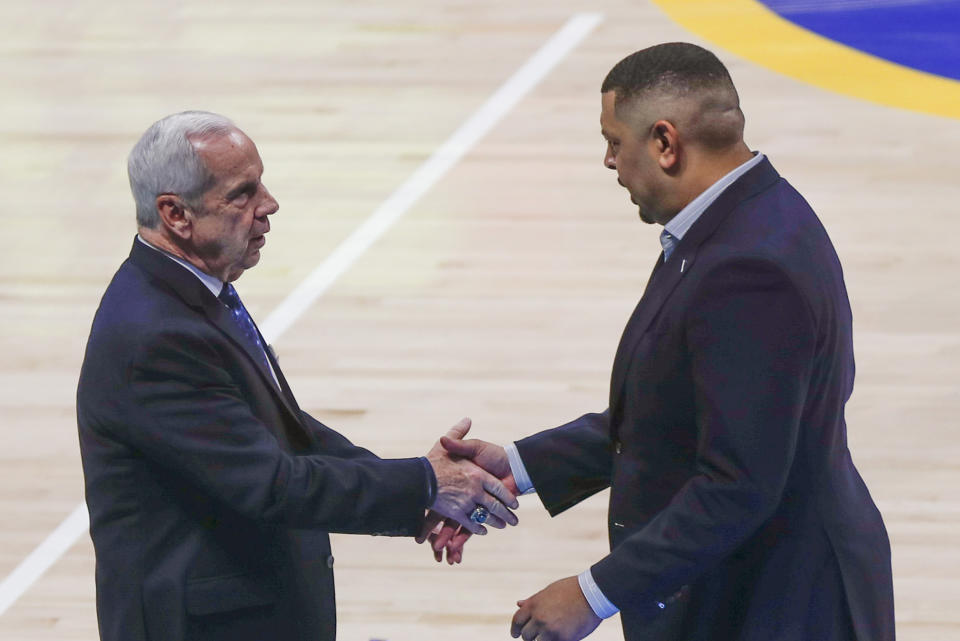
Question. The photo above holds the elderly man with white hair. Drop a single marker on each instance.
(211, 493)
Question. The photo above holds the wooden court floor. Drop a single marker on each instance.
(500, 295)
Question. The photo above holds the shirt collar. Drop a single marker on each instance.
(678, 226)
(212, 283)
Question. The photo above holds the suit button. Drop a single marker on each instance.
(330, 561)
(617, 447)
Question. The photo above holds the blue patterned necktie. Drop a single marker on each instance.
(228, 296)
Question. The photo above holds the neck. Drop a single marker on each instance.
(158, 239)
(707, 168)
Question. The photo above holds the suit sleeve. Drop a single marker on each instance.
(570, 463)
(750, 341)
(185, 413)
(333, 443)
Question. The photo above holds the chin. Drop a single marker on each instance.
(252, 259)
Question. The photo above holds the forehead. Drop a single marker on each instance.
(609, 123)
(229, 155)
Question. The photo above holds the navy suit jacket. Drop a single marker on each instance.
(210, 492)
(724, 443)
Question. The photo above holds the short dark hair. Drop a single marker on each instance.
(680, 70)
(677, 67)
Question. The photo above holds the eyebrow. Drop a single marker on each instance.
(242, 187)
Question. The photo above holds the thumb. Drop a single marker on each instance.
(466, 449)
(460, 430)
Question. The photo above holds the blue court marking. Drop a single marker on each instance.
(921, 34)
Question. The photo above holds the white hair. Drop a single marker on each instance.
(164, 161)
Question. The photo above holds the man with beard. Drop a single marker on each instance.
(736, 512)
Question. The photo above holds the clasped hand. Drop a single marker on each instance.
(557, 613)
(463, 483)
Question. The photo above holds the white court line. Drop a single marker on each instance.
(447, 155)
(46, 554)
(307, 292)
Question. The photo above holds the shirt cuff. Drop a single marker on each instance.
(519, 471)
(598, 602)
(431, 481)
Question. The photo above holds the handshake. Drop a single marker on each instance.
(475, 486)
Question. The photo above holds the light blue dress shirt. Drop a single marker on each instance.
(673, 232)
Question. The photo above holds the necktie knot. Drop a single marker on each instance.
(228, 296)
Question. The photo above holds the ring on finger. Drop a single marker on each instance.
(480, 514)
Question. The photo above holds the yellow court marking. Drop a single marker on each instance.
(751, 30)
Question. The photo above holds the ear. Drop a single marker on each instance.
(175, 214)
(666, 140)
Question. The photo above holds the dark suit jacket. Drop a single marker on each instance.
(210, 492)
(724, 443)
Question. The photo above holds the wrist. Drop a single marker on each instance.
(431, 482)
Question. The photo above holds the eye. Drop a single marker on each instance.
(242, 194)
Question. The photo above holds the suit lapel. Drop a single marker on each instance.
(662, 282)
(188, 287)
(666, 276)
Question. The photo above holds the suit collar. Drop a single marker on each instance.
(756, 180)
(194, 293)
(173, 275)
(214, 284)
(666, 276)
(678, 226)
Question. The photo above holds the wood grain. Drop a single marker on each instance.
(501, 295)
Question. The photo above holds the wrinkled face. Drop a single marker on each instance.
(632, 155)
(229, 230)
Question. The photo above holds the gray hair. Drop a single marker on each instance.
(164, 161)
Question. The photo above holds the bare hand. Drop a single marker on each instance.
(490, 457)
(559, 612)
(450, 535)
(462, 485)
(444, 534)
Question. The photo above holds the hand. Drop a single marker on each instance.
(492, 458)
(444, 533)
(462, 485)
(559, 612)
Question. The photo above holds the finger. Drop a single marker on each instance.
(467, 449)
(455, 556)
(455, 546)
(430, 523)
(474, 528)
(531, 632)
(520, 619)
(499, 511)
(499, 516)
(446, 533)
(495, 521)
(494, 486)
(459, 430)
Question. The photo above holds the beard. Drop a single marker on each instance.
(644, 216)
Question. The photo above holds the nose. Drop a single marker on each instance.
(269, 205)
(609, 161)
